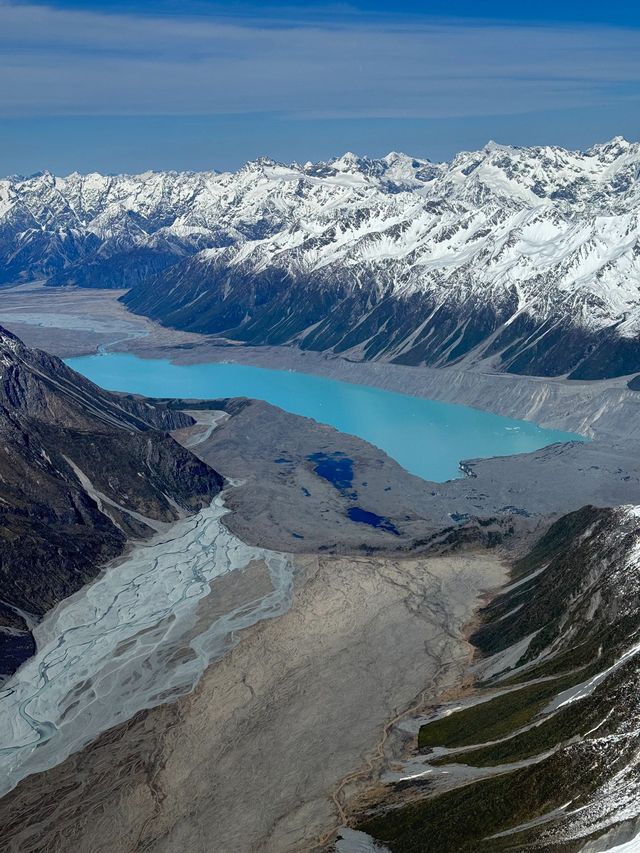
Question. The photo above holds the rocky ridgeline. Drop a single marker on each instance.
(82, 471)
(543, 753)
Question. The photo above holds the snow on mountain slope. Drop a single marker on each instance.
(527, 256)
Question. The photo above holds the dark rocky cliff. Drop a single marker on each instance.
(80, 471)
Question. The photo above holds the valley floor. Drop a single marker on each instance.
(254, 755)
(74, 321)
(537, 486)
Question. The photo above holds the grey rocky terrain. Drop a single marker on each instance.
(284, 498)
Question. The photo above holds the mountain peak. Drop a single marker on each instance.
(261, 163)
(394, 157)
(492, 146)
(611, 150)
(348, 162)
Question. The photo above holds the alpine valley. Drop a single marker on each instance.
(228, 626)
(528, 257)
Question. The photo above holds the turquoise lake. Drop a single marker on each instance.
(426, 437)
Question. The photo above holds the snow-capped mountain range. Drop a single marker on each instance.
(528, 257)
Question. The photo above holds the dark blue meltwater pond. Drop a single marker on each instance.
(363, 516)
(426, 437)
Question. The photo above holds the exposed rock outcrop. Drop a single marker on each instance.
(81, 472)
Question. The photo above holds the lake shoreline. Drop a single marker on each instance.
(72, 322)
(429, 438)
(604, 471)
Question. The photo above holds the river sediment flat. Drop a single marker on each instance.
(140, 635)
(265, 753)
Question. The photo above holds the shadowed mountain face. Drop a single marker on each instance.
(528, 257)
(81, 472)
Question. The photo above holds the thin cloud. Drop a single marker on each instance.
(65, 62)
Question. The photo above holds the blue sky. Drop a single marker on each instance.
(124, 86)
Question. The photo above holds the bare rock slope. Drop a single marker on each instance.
(82, 471)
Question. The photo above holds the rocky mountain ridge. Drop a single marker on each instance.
(82, 472)
(543, 753)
